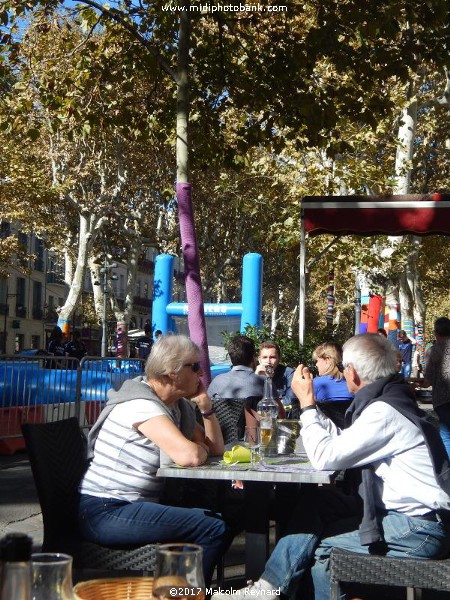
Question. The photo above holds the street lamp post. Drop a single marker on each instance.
(106, 275)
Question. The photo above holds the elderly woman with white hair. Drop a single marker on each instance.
(148, 421)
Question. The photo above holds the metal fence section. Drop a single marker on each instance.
(40, 389)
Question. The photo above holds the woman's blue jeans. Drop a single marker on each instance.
(295, 554)
(115, 522)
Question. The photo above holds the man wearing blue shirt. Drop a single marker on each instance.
(405, 345)
(270, 355)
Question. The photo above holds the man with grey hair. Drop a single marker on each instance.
(404, 475)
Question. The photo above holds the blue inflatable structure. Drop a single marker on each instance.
(249, 309)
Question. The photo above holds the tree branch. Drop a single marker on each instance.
(319, 256)
(119, 18)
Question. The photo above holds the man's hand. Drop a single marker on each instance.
(260, 370)
(302, 385)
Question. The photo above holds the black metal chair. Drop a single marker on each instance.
(410, 573)
(57, 454)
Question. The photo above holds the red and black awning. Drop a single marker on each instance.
(370, 215)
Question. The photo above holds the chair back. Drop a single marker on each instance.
(230, 414)
(57, 454)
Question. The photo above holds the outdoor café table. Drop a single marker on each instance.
(259, 480)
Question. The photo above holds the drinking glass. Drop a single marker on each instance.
(179, 573)
(252, 439)
(51, 576)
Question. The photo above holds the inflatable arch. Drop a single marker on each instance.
(165, 310)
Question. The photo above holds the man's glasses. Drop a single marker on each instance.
(194, 366)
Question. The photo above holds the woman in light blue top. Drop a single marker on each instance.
(330, 388)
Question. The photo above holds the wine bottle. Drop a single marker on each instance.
(267, 410)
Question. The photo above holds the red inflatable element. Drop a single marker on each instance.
(373, 313)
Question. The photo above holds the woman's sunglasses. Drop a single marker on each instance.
(194, 366)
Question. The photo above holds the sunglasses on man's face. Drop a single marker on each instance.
(195, 366)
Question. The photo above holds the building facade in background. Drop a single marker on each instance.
(29, 301)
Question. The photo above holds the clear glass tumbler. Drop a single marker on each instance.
(51, 576)
(179, 572)
(252, 440)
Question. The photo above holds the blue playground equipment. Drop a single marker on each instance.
(165, 310)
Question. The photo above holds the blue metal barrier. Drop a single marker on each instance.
(41, 389)
(36, 389)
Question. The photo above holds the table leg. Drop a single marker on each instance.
(257, 504)
(286, 499)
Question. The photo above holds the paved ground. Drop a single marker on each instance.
(20, 510)
(19, 506)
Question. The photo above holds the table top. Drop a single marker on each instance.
(280, 469)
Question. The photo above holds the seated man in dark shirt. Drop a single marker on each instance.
(241, 381)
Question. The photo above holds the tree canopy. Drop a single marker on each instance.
(306, 101)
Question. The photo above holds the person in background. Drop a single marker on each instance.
(437, 374)
(270, 355)
(404, 468)
(158, 334)
(405, 345)
(426, 355)
(55, 347)
(75, 348)
(330, 388)
(150, 421)
(144, 343)
(241, 381)
(382, 331)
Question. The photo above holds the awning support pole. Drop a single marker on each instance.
(302, 291)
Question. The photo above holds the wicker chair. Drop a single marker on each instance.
(57, 456)
(230, 414)
(412, 574)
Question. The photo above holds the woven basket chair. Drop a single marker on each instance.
(230, 414)
(57, 453)
(412, 574)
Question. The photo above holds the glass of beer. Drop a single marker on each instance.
(179, 572)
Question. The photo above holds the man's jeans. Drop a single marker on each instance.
(115, 522)
(294, 554)
(406, 369)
